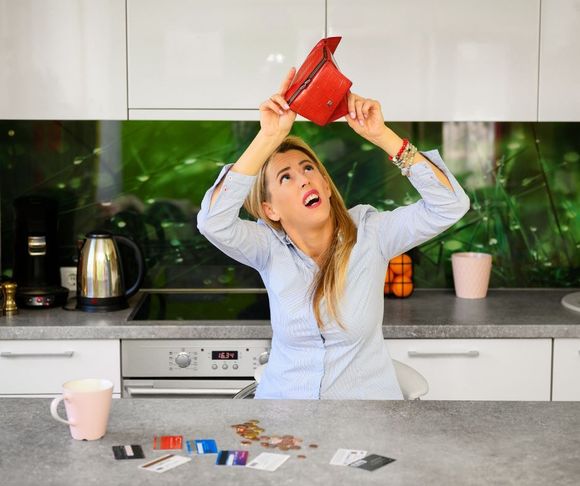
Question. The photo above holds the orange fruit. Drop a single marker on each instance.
(402, 286)
(388, 279)
(402, 265)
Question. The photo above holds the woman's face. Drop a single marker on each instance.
(299, 194)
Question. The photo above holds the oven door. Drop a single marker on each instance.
(188, 388)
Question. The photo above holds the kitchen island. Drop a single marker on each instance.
(427, 314)
(436, 443)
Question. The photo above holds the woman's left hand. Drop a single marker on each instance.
(368, 119)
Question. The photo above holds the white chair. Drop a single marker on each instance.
(413, 384)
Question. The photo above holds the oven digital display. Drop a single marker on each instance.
(224, 355)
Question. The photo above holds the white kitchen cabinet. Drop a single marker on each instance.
(479, 369)
(63, 59)
(559, 97)
(35, 367)
(457, 60)
(566, 377)
(214, 55)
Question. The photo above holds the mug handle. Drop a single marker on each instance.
(54, 412)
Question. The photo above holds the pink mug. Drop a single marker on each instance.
(87, 403)
(471, 272)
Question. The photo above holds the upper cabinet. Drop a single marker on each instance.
(63, 59)
(559, 97)
(226, 56)
(438, 61)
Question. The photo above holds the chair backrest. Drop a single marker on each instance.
(413, 384)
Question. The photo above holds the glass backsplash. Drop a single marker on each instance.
(146, 179)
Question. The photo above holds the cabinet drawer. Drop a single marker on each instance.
(566, 384)
(479, 369)
(41, 367)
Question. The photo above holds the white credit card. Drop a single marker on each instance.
(165, 463)
(344, 457)
(267, 461)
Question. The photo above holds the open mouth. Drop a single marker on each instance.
(311, 199)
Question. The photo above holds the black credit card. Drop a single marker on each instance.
(128, 452)
(372, 462)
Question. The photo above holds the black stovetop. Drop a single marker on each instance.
(201, 306)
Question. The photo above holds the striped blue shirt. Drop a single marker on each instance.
(335, 363)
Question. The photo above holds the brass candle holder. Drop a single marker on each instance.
(9, 307)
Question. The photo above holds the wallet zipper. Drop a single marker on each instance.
(307, 81)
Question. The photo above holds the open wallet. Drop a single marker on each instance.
(319, 90)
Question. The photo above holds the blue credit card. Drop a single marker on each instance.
(204, 446)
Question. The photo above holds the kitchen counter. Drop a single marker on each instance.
(437, 443)
(531, 313)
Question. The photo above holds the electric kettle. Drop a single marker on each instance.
(100, 281)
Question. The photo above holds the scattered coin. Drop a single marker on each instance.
(251, 432)
(301, 456)
(313, 446)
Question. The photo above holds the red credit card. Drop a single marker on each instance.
(167, 442)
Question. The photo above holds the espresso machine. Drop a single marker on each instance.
(36, 259)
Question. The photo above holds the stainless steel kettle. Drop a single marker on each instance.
(100, 280)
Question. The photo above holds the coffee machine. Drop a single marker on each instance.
(36, 260)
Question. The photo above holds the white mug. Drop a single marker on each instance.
(87, 403)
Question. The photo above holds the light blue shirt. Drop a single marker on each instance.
(304, 362)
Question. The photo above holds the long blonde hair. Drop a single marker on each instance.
(330, 280)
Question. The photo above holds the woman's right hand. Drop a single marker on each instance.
(276, 117)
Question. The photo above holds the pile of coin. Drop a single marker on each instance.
(252, 432)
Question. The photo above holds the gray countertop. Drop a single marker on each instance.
(530, 313)
(436, 443)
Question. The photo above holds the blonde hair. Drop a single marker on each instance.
(330, 280)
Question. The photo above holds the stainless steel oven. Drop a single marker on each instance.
(216, 368)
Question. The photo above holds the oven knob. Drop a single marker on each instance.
(225, 366)
(214, 366)
(235, 367)
(263, 358)
(183, 360)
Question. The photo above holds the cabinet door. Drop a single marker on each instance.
(566, 386)
(63, 59)
(215, 54)
(479, 369)
(560, 61)
(41, 367)
(441, 61)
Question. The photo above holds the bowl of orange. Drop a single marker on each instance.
(399, 277)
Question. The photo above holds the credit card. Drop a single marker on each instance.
(128, 452)
(267, 461)
(164, 463)
(372, 462)
(206, 446)
(344, 457)
(232, 458)
(167, 442)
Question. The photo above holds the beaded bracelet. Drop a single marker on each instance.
(403, 147)
(404, 157)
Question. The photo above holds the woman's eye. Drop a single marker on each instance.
(308, 167)
(285, 177)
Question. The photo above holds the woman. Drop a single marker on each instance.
(323, 266)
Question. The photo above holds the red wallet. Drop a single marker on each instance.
(319, 90)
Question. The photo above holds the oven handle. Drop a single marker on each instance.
(181, 391)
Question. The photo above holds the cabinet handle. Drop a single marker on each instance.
(424, 354)
(9, 354)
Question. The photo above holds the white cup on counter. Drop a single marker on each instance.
(87, 403)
